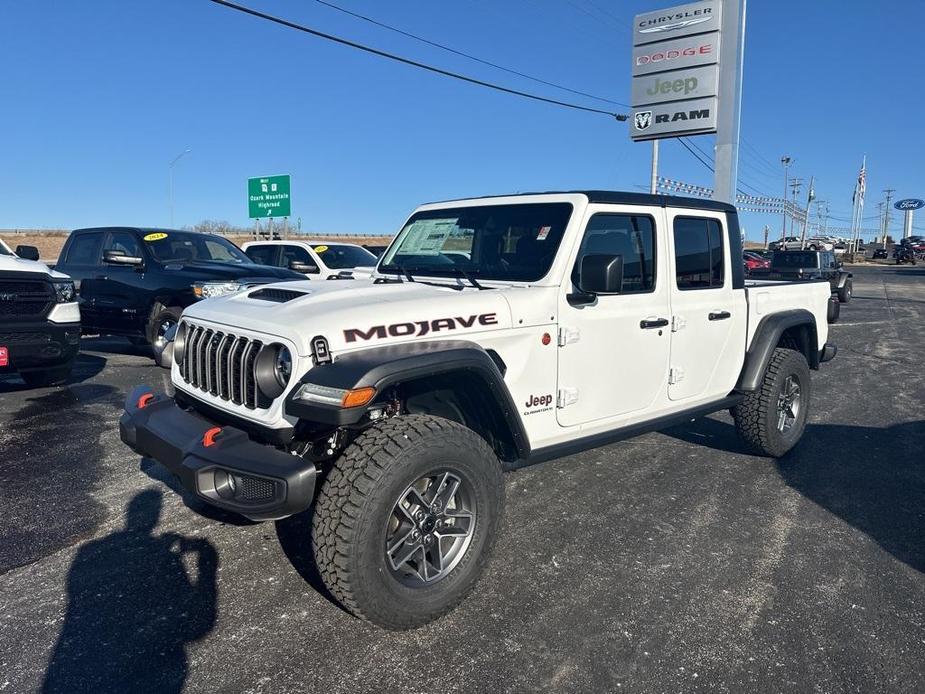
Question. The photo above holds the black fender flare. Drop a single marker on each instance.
(767, 337)
(382, 367)
(843, 277)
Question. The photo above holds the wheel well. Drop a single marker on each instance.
(465, 398)
(801, 338)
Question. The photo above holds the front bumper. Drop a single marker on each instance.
(230, 471)
(39, 344)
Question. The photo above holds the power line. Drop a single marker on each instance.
(413, 63)
(694, 154)
(465, 55)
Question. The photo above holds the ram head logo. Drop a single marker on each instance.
(643, 120)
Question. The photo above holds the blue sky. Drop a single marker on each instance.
(100, 96)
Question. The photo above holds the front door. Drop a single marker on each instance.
(613, 354)
(82, 263)
(708, 314)
(121, 297)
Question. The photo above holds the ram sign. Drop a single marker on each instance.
(676, 71)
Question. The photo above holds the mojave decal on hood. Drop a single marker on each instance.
(357, 314)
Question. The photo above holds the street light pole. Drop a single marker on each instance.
(170, 179)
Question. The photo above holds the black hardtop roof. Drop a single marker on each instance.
(619, 197)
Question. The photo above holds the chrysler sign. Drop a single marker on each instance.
(684, 20)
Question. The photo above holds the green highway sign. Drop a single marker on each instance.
(268, 196)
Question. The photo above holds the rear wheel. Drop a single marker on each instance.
(772, 419)
(844, 293)
(405, 520)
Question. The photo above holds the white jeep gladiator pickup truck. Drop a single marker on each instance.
(498, 332)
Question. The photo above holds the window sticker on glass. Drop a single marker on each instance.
(543, 233)
(156, 236)
(320, 249)
(427, 236)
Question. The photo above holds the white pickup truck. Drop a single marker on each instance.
(498, 332)
(321, 260)
(39, 319)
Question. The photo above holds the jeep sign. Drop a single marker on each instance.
(695, 83)
(676, 71)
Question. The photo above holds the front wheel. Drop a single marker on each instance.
(405, 520)
(163, 318)
(771, 420)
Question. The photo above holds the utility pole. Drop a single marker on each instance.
(809, 201)
(886, 212)
(882, 234)
(795, 186)
(653, 186)
(767, 229)
(785, 162)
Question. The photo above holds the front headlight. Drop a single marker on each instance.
(207, 290)
(64, 291)
(283, 368)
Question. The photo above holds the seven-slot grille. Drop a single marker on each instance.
(24, 298)
(221, 364)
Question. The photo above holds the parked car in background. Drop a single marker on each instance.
(794, 243)
(753, 261)
(809, 265)
(39, 318)
(136, 282)
(880, 254)
(376, 250)
(316, 259)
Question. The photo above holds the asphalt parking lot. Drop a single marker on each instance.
(672, 562)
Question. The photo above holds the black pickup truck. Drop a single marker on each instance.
(808, 265)
(136, 282)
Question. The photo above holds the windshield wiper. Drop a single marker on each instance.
(403, 270)
(467, 276)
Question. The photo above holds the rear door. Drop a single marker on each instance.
(82, 263)
(709, 315)
(264, 254)
(613, 354)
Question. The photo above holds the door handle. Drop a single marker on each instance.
(719, 315)
(649, 323)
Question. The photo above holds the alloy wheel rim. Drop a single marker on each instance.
(788, 404)
(430, 528)
(161, 338)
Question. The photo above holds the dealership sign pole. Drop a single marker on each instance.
(909, 206)
(687, 78)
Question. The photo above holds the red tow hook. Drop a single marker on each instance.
(208, 439)
(145, 400)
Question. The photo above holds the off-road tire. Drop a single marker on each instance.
(756, 417)
(159, 314)
(357, 498)
(45, 378)
(844, 292)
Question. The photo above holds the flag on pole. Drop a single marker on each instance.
(861, 185)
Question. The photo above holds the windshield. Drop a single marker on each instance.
(191, 247)
(513, 243)
(795, 259)
(339, 256)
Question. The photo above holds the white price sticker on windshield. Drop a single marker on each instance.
(543, 233)
(427, 236)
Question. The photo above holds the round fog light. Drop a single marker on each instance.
(225, 485)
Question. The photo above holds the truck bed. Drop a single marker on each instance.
(771, 296)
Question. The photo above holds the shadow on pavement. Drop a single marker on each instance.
(295, 537)
(86, 366)
(133, 608)
(871, 478)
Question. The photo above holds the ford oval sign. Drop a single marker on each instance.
(909, 204)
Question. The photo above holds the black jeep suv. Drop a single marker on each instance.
(808, 265)
(136, 282)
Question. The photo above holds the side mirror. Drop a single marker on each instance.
(306, 268)
(602, 274)
(27, 252)
(120, 258)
